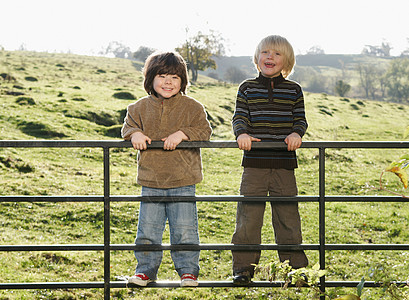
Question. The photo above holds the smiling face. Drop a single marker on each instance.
(274, 55)
(166, 85)
(270, 63)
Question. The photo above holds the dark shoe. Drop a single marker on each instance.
(242, 279)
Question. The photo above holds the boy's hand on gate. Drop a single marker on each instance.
(171, 142)
(244, 141)
(139, 140)
(293, 141)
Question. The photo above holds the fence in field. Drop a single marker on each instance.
(322, 247)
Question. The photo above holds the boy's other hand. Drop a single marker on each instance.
(293, 141)
(139, 140)
(171, 142)
(244, 141)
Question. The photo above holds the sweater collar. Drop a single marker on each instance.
(157, 100)
(267, 81)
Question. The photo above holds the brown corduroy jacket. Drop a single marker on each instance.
(157, 119)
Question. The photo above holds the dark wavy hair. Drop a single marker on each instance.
(164, 63)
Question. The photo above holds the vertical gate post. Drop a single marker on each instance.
(322, 217)
(107, 230)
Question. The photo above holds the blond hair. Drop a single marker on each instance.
(280, 44)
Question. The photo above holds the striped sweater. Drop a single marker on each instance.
(269, 109)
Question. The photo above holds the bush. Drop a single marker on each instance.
(7, 77)
(124, 96)
(39, 130)
(113, 131)
(79, 99)
(16, 163)
(30, 78)
(14, 93)
(25, 101)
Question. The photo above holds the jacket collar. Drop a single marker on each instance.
(267, 81)
(159, 101)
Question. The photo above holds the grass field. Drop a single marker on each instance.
(60, 96)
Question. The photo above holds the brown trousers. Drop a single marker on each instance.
(285, 217)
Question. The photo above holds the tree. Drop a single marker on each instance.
(367, 79)
(383, 80)
(342, 88)
(142, 53)
(118, 50)
(314, 50)
(213, 75)
(383, 51)
(199, 50)
(398, 79)
(235, 75)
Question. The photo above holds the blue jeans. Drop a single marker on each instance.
(183, 225)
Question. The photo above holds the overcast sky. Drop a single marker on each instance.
(87, 26)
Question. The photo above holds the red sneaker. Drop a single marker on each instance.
(139, 279)
(188, 280)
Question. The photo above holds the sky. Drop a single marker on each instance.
(88, 26)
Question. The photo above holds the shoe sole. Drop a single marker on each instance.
(139, 282)
(189, 283)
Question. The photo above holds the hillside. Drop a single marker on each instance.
(60, 96)
(79, 97)
(315, 72)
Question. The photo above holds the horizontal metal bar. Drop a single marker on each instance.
(328, 247)
(215, 198)
(207, 198)
(56, 247)
(365, 199)
(234, 198)
(151, 247)
(223, 284)
(214, 247)
(52, 198)
(201, 247)
(171, 284)
(366, 247)
(196, 144)
(51, 285)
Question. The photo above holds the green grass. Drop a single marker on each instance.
(74, 99)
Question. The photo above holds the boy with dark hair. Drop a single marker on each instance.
(167, 114)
